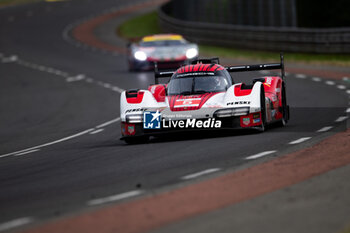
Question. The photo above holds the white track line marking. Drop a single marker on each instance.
(348, 110)
(96, 131)
(49, 143)
(14, 58)
(107, 85)
(27, 152)
(341, 87)
(316, 79)
(324, 129)
(76, 78)
(117, 89)
(42, 68)
(10, 59)
(300, 76)
(331, 83)
(50, 69)
(300, 140)
(114, 197)
(201, 173)
(15, 223)
(69, 78)
(348, 91)
(260, 154)
(108, 123)
(63, 139)
(342, 118)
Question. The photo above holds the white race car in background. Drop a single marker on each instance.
(167, 50)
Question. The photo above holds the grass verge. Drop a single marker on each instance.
(147, 24)
(140, 26)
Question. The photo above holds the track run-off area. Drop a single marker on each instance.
(62, 163)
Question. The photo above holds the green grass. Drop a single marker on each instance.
(147, 24)
(140, 26)
(15, 2)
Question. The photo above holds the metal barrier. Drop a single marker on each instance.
(288, 39)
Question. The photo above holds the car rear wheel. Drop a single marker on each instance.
(263, 110)
(285, 108)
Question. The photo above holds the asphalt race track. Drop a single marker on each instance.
(59, 125)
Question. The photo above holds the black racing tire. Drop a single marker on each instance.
(285, 108)
(262, 128)
(136, 140)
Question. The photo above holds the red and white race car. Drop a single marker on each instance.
(203, 96)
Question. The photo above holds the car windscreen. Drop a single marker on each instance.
(158, 43)
(197, 85)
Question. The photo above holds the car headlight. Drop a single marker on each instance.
(140, 55)
(229, 112)
(134, 118)
(191, 53)
(223, 113)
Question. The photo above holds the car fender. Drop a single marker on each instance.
(252, 100)
(148, 101)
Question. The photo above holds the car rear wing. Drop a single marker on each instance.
(270, 66)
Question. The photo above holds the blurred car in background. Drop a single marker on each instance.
(167, 50)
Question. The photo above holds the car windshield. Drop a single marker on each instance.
(197, 85)
(159, 43)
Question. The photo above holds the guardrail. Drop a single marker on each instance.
(334, 40)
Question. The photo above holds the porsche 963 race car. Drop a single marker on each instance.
(202, 96)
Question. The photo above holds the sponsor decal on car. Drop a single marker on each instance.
(135, 110)
(256, 116)
(152, 120)
(255, 121)
(131, 129)
(238, 102)
(187, 103)
(193, 123)
(246, 120)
